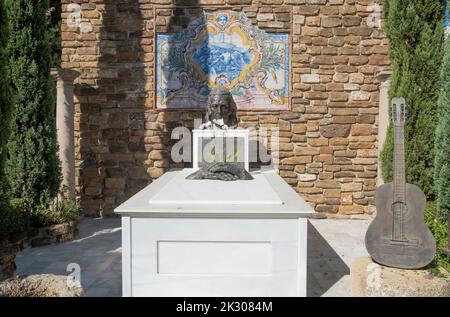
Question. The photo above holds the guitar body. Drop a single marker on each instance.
(417, 247)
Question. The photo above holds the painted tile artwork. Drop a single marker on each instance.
(222, 49)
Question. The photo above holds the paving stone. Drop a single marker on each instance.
(333, 245)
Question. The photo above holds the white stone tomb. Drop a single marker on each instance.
(215, 238)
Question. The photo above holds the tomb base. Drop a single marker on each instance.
(212, 238)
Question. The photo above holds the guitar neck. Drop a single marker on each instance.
(399, 165)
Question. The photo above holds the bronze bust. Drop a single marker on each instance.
(221, 110)
(221, 115)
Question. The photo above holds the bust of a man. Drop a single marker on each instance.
(221, 111)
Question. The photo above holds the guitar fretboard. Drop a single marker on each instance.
(399, 165)
(399, 184)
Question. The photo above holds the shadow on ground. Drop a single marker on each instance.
(97, 251)
(325, 267)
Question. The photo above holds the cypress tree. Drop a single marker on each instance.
(55, 34)
(32, 167)
(442, 143)
(4, 88)
(415, 32)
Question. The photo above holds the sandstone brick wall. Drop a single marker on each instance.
(327, 140)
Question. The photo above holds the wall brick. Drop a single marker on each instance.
(328, 141)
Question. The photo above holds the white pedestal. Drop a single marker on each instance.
(214, 238)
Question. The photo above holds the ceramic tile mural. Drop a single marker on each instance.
(222, 48)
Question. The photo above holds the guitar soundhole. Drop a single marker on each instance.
(399, 215)
(401, 209)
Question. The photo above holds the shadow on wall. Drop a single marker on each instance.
(180, 16)
(123, 142)
(112, 157)
(325, 267)
(176, 73)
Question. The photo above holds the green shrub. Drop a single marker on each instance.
(440, 232)
(61, 211)
(4, 89)
(415, 32)
(55, 34)
(32, 170)
(442, 141)
(13, 218)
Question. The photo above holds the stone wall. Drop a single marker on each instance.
(34, 237)
(328, 140)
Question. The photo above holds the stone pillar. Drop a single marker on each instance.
(384, 77)
(65, 125)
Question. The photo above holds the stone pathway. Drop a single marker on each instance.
(97, 251)
(333, 246)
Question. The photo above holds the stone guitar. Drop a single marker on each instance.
(398, 236)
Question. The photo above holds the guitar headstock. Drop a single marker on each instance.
(399, 111)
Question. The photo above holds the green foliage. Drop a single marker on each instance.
(270, 60)
(439, 229)
(415, 31)
(4, 89)
(14, 218)
(442, 142)
(32, 168)
(61, 210)
(386, 156)
(54, 28)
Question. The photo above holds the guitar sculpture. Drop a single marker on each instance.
(398, 236)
